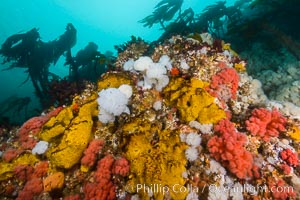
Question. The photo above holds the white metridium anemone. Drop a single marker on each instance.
(113, 102)
(191, 153)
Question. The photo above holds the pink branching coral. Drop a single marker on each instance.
(224, 84)
(121, 167)
(90, 154)
(228, 148)
(32, 127)
(103, 187)
(289, 157)
(265, 123)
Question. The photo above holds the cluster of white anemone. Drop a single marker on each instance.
(154, 74)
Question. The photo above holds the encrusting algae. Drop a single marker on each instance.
(177, 133)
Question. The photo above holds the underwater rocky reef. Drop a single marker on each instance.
(185, 121)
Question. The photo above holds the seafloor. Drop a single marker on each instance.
(186, 123)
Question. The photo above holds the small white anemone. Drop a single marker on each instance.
(113, 102)
(126, 89)
(191, 153)
(40, 148)
(165, 61)
(157, 105)
(143, 63)
(156, 70)
(193, 139)
(184, 65)
(128, 65)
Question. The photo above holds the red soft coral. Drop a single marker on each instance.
(31, 189)
(73, 197)
(265, 123)
(26, 172)
(224, 84)
(41, 169)
(289, 157)
(103, 187)
(121, 167)
(32, 127)
(285, 168)
(90, 154)
(279, 189)
(11, 154)
(23, 172)
(228, 148)
(104, 169)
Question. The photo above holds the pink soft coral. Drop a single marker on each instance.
(280, 190)
(90, 154)
(265, 123)
(73, 197)
(103, 187)
(289, 157)
(224, 84)
(23, 172)
(32, 178)
(228, 148)
(32, 127)
(285, 168)
(31, 189)
(41, 169)
(121, 167)
(11, 154)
